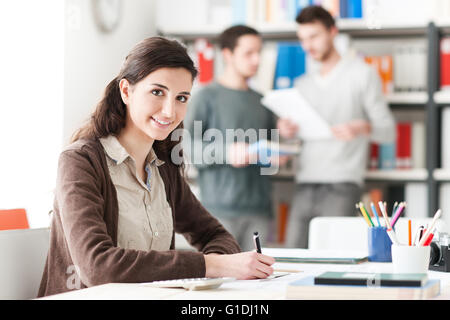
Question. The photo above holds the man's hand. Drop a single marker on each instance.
(288, 129)
(351, 130)
(238, 155)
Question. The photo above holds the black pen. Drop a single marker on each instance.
(256, 241)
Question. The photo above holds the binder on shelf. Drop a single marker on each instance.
(387, 156)
(445, 138)
(374, 156)
(418, 144)
(239, 12)
(283, 210)
(350, 9)
(403, 146)
(445, 62)
(205, 59)
(291, 61)
(416, 196)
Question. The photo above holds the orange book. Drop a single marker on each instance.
(13, 219)
(283, 210)
(376, 195)
(385, 70)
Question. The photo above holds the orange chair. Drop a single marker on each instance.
(13, 219)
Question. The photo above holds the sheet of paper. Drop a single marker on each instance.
(290, 104)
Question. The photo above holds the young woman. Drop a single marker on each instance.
(119, 196)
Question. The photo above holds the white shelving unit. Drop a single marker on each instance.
(441, 174)
(418, 97)
(442, 97)
(398, 175)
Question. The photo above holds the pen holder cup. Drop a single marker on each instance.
(410, 259)
(379, 245)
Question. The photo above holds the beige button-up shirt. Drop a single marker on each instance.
(145, 217)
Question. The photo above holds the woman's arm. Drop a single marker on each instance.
(198, 226)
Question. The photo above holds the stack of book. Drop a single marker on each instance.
(255, 12)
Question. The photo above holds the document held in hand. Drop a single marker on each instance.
(290, 104)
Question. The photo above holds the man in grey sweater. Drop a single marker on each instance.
(347, 93)
(232, 186)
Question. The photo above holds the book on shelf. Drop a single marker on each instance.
(291, 63)
(445, 63)
(254, 12)
(407, 152)
(405, 77)
(306, 289)
(205, 60)
(416, 197)
(445, 138)
(384, 66)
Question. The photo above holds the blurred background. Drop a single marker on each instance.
(57, 56)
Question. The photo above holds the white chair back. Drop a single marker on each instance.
(22, 259)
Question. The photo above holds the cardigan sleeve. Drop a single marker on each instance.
(198, 226)
(91, 248)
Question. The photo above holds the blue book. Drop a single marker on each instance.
(282, 79)
(387, 155)
(291, 63)
(298, 58)
(302, 4)
(343, 8)
(354, 9)
(291, 10)
(239, 12)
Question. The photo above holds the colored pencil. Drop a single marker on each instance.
(363, 214)
(361, 205)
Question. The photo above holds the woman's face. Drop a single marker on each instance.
(158, 103)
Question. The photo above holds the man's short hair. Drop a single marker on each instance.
(229, 37)
(313, 14)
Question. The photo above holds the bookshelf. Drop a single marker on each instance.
(429, 101)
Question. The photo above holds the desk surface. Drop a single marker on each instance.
(273, 289)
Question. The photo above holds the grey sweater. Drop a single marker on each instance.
(352, 90)
(227, 191)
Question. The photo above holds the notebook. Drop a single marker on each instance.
(306, 289)
(316, 256)
(369, 279)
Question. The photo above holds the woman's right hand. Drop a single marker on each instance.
(242, 266)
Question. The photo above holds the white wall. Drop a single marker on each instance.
(31, 62)
(93, 58)
(55, 62)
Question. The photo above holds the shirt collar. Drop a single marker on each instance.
(119, 154)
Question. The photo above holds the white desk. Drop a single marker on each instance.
(273, 289)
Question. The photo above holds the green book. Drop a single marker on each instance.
(372, 279)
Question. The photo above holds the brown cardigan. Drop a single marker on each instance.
(84, 228)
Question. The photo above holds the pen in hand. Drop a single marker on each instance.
(256, 241)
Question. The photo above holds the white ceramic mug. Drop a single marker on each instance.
(410, 259)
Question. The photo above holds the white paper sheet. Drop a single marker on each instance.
(290, 104)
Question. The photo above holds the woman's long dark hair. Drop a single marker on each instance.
(149, 55)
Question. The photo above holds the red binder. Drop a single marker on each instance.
(205, 55)
(403, 160)
(374, 156)
(445, 63)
